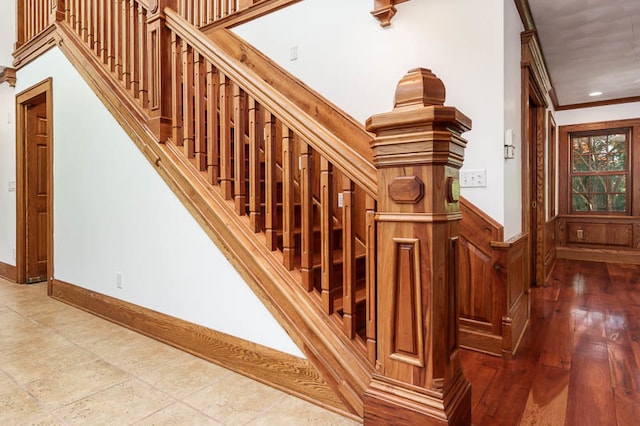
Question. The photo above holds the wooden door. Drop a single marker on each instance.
(36, 189)
(533, 181)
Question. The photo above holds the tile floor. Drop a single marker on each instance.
(60, 365)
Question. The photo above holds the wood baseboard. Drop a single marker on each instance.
(8, 272)
(599, 255)
(290, 374)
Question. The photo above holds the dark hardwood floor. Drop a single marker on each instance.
(579, 361)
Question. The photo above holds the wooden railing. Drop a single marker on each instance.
(308, 208)
(33, 16)
(359, 231)
(116, 31)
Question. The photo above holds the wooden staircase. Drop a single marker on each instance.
(290, 188)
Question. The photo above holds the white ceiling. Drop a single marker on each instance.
(590, 45)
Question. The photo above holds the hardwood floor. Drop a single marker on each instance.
(579, 360)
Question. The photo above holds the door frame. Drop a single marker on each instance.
(23, 99)
(533, 156)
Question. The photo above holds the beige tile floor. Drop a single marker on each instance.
(60, 365)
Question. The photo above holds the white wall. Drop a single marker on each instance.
(347, 57)
(7, 32)
(114, 214)
(512, 119)
(7, 174)
(596, 114)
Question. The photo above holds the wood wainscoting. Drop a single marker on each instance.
(492, 288)
(8, 272)
(599, 238)
(290, 374)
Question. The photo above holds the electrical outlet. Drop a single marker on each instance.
(119, 280)
(12, 186)
(293, 53)
(473, 178)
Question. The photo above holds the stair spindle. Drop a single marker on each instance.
(370, 237)
(199, 114)
(226, 182)
(270, 181)
(348, 258)
(239, 149)
(306, 199)
(213, 141)
(188, 130)
(288, 199)
(326, 235)
(255, 166)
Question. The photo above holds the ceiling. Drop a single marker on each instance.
(589, 46)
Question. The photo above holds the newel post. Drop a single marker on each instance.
(159, 77)
(418, 151)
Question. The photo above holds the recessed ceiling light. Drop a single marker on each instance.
(595, 93)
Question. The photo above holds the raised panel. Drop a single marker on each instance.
(610, 234)
(475, 283)
(407, 318)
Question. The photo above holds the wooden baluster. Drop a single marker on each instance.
(225, 8)
(143, 65)
(200, 110)
(418, 150)
(226, 172)
(82, 24)
(370, 236)
(133, 51)
(213, 141)
(288, 199)
(188, 137)
(326, 234)
(239, 146)
(218, 14)
(117, 38)
(196, 13)
(348, 258)
(97, 29)
(256, 134)
(210, 11)
(126, 44)
(57, 11)
(89, 16)
(160, 67)
(108, 48)
(270, 181)
(176, 86)
(306, 199)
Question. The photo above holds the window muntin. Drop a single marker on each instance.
(600, 172)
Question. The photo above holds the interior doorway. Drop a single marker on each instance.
(34, 183)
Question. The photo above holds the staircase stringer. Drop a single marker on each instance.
(339, 360)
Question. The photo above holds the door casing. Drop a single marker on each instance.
(23, 100)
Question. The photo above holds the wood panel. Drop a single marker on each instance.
(290, 374)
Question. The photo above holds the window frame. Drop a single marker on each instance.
(601, 173)
(565, 172)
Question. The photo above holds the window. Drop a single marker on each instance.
(600, 171)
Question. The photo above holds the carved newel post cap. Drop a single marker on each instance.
(420, 87)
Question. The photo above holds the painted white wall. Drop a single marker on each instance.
(114, 214)
(7, 174)
(7, 32)
(346, 56)
(596, 114)
(512, 119)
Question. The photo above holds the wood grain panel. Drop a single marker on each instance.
(290, 374)
(607, 234)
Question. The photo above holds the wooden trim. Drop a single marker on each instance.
(290, 374)
(384, 10)
(8, 75)
(525, 14)
(22, 99)
(265, 7)
(599, 255)
(599, 103)
(8, 272)
(35, 47)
